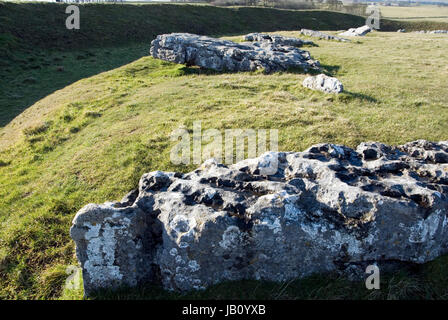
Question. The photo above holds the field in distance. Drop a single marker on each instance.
(417, 13)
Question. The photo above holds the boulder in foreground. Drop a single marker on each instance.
(329, 208)
(323, 83)
(224, 55)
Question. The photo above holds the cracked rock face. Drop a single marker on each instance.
(356, 32)
(323, 83)
(321, 35)
(224, 55)
(327, 209)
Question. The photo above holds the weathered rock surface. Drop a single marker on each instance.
(438, 31)
(323, 83)
(432, 31)
(224, 55)
(356, 32)
(329, 208)
(277, 40)
(321, 35)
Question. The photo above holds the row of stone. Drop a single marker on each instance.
(269, 52)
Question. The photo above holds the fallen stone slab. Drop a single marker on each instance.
(432, 31)
(323, 83)
(321, 35)
(356, 32)
(224, 55)
(277, 40)
(438, 31)
(281, 216)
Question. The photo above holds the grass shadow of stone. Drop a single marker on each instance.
(358, 96)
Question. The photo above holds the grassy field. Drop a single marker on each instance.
(34, 43)
(38, 55)
(417, 13)
(91, 141)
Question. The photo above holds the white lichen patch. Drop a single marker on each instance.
(101, 254)
(231, 238)
(193, 265)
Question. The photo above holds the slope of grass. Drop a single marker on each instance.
(91, 141)
(35, 73)
(38, 55)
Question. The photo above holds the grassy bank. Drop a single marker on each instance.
(43, 25)
(91, 141)
(38, 55)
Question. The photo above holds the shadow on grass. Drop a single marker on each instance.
(330, 70)
(360, 96)
(32, 75)
(402, 281)
(327, 69)
(313, 287)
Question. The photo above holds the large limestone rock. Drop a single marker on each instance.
(356, 32)
(323, 83)
(224, 55)
(321, 35)
(329, 208)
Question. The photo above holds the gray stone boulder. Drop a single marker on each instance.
(277, 40)
(356, 32)
(329, 208)
(224, 55)
(323, 83)
(321, 35)
(401, 30)
(438, 31)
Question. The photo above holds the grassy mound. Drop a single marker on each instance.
(116, 24)
(91, 141)
(38, 55)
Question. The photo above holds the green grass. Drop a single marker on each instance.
(420, 13)
(35, 44)
(91, 141)
(33, 74)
